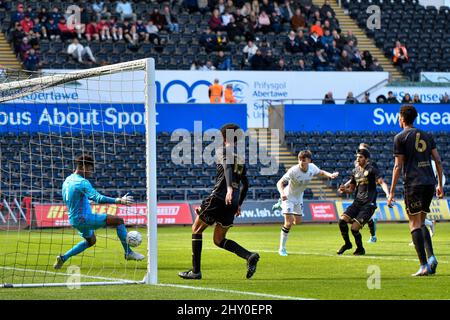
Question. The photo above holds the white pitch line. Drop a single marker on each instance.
(248, 293)
(68, 274)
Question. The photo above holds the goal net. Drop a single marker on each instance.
(46, 122)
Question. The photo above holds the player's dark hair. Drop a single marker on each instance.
(408, 113)
(304, 154)
(84, 160)
(230, 126)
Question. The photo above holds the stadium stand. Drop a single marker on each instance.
(316, 38)
(425, 32)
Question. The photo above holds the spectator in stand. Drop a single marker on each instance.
(129, 32)
(270, 59)
(381, 99)
(230, 7)
(331, 22)
(276, 22)
(363, 66)
(100, 9)
(351, 99)
(86, 18)
(32, 61)
(417, 99)
(249, 27)
(191, 5)
(103, 29)
(257, 61)
(229, 95)
(125, 10)
(328, 99)
(303, 42)
(235, 32)
(407, 98)
(281, 65)
(351, 37)
(39, 28)
(66, 31)
(208, 66)
(400, 54)
(298, 20)
(301, 66)
(91, 31)
(292, 44)
(317, 28)
(327, 39)
(55, 14)
(215, 23)
(313, 42)
(152, 31)
(221, 6)
(445, 99)
(264, 22)
(31, 12)
(18, 15)
(222, 61)
(27, 24)
(287, 11)
(158, 19)
(77, 51)
(334, 53)
(208, 40)
(315, 18)
(52, 29)
(366, 98)
(115, 29)
(141, 31)
(171, 20)
(326, 7)
(344, 64)
(195, 66)
(43, 15)
(221, 41)
(367, 56)
(255, 7)
(376, 66)
(24, 48)
(4, 5)
(351, 51)
(16, 36)
(391, 98)
(320, 61)
(340, 42)
(249, 50)
(226, 18)
(267, 6)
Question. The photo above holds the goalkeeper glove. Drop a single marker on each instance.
(126, 199)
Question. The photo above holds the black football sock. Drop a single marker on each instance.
(427, 241)
(232, 246)
(197, 241)
(371, 225)
(358, 238)
(419, 243)
(344, 231)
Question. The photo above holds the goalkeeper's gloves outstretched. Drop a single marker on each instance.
(126, 199)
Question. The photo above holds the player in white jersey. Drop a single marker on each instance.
(298, 178)
(431, 223)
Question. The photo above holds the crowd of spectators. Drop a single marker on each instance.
(391, 98)
(312, 38)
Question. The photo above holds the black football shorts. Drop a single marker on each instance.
(418, 199)
(214, 210)
(361, 212)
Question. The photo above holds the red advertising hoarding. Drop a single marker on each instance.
(55, 215)
(322, 211)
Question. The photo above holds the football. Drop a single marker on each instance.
(134, 238)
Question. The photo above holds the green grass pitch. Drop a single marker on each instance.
(311, 271)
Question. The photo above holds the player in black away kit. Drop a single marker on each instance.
(413, 150)
(221, 207)
(364, 180)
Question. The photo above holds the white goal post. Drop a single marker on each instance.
(40, 244)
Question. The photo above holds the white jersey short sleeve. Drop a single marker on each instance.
(298, 182)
